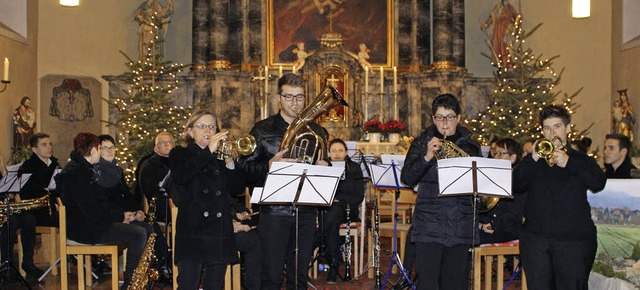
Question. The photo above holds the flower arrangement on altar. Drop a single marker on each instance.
(393, 126)
(373, 126)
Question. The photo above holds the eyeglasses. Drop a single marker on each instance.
(441, 118)
(202, 126)
(108, 148)
(500, 153)
(290, 97)
(165, 143)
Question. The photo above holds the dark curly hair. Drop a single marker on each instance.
(84, 142)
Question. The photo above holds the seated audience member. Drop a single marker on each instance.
(581, 145)
(91, 218)
(153, 170)
(502, 222)
(617, 163)
(527, 147)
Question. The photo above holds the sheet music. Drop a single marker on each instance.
(319, 187)
(255, 195)
(363, 160)
(391, 158)
(455, 176)
(383, 175)
(11, 183)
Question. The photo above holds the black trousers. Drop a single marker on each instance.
(333, 217)
(26, 222)
(249, 246)
(134, 236)
(189, 275)
(552, 264)
(278, 242)
(441, 268)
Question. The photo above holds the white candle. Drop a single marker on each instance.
(266, 91)
(381, 80)
(395, 80)
(6, 69)
(366, 92)
(395, 93)
(294, 69)
(280, 72)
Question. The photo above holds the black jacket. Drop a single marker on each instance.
(204, 231)
(351, 189)
(623, 171)
(268, 134)
(37, 186)
(89, 213)
(444, 220)
(111, 179)
(556, 205)
(152, 172)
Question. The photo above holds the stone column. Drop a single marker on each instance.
(442, 34)
(423, 11)
(200, 50)
(457, 11)
(219, 57)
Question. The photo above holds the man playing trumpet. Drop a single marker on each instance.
(442, 226)
(558, 239)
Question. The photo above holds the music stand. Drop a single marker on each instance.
(11, 183)
(298, 184)
(475, 176)
(388, 176)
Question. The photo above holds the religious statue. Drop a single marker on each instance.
(363, 57)
(302, 56)
(24, 123)
(503, 17)
(151, 15)
(624, 117)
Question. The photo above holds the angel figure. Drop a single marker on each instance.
(363, 57)
(302, 56)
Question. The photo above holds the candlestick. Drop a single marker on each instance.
(366, 92)
(395, 93)
(6, 69)
(280, 72)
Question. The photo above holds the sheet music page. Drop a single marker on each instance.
(382, 175)
(255, 195)
(284, 179)
(11, 183)
(493, 177)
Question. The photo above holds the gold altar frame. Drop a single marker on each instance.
(319, 85)
(276, 40)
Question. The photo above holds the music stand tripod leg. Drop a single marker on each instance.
(395, 257)
(6, 265)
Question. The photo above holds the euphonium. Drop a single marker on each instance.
(451, 150)
(244, 145)
(545, 148)
(299, 127)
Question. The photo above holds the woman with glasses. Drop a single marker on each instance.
(442, 226)
(204, 229)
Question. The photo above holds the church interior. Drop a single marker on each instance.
(388, 58)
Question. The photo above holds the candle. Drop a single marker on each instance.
(381, 80)
(6, 69)
(366, 92)
(395, 93)
(280, 72)
(266, 91)
(293, 70)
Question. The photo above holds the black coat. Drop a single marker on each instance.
(268, 134)
(351, 189)
(37, 186)
(89, 213)
(111, 179)
(444, 220)
(204, 231)
(623, 171)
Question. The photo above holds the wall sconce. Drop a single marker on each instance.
(5, 80)
(581, 8)
(70, 3)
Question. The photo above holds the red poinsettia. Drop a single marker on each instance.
(393, 126)
(373, 126)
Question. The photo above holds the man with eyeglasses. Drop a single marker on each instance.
(442, 226)
(277, 223)
(152, 172)
(41, 166)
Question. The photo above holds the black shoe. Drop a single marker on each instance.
(32, 271)
(332, 276)
(402, 284)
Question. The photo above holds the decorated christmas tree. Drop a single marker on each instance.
(147, 107)
(524, 83)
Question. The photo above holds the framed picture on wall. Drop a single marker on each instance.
(292, 23)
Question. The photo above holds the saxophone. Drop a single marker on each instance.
(145, 272)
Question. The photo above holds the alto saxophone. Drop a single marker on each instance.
(347, 243)
(145, 272)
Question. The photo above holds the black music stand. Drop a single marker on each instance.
(298, 184)
(388, 176)
(11, 184)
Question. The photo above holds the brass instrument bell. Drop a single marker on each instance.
(545, 148)
(244, 145)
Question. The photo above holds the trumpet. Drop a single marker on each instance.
(545, 148)
(244, 145)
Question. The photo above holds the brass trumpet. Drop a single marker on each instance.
(244, 145)
(545, 148)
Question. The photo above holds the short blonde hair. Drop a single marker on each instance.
(195, 116)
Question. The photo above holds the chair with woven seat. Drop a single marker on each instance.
(83, 252)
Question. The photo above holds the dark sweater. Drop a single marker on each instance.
(623, 171)
(557, 206)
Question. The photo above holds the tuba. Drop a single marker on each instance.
(545, 148)
(451, 150)
(299, 128)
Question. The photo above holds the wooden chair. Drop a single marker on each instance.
(488, 252)
(231, 276)
(386, 199)
(83, 252)
(48, 249)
